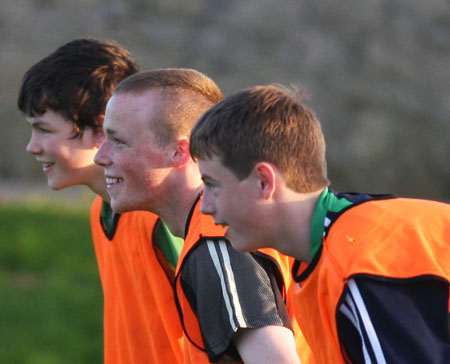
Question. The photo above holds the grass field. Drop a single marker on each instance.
(50, 295)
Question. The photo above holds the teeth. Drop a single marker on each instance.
(111, 181)
(46, 164)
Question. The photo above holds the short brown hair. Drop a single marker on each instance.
(265, 123)
(76, 80)
(186, 95)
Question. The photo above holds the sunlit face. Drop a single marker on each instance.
(66, 161)
(233, 203)
(136, 168)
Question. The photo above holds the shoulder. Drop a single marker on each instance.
(214, 262)
(399, 319)
(96, 206)
(215, 251)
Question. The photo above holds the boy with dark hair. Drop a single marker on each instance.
(64, 98)
(373, 271)
(231, 304)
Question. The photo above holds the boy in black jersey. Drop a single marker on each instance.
(373, 272)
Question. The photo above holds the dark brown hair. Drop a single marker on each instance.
(76, 80)
(265, 123)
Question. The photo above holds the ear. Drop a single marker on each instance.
(181, 155)
(99, 134)
(99, 120)
(266, 179)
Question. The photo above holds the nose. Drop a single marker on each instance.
(33, 146)
(207, 206)
(101, 157)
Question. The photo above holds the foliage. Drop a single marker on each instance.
(51, 304)
(377, 71)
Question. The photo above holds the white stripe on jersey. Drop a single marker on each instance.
(351, 314)
(367, 322)
(231, 281)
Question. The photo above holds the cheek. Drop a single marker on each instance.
(244, 215)
(122, 160)
(133, 173)
(222, 202)
(49, 144)
(233, 210)
(138, 175)
(81, 158)
(61, 154)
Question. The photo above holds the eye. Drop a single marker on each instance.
(42, 130)
(208, 185)
(117, 141)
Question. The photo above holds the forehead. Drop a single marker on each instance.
(127, 108)
(212, 168)
(50, 117)
(130, 116)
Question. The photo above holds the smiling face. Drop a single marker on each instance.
(136, 167)
(66, 161)
(234, 203)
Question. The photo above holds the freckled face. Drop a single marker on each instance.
(233, 203)
(66, 161)
(136, 167)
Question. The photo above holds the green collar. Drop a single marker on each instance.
(328, 201)
(107, 218)
(169, 244)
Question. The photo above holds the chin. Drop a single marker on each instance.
(239, 245)
(235, 240)
(118, 208)
(54, 186)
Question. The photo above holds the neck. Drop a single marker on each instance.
(98, 185)
(295, 220)
(175, 213)
(183, 188)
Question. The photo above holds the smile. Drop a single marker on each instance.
(46, 166)
(110, 181)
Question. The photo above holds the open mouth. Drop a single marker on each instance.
(46, 166)
(112, 181)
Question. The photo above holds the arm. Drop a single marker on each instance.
(395, 320)
(234, 294)
(266, 345)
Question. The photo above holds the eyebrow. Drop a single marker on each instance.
(110, 131)
(37, 123)
(207, 178)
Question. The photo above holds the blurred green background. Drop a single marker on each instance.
(51, 298)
